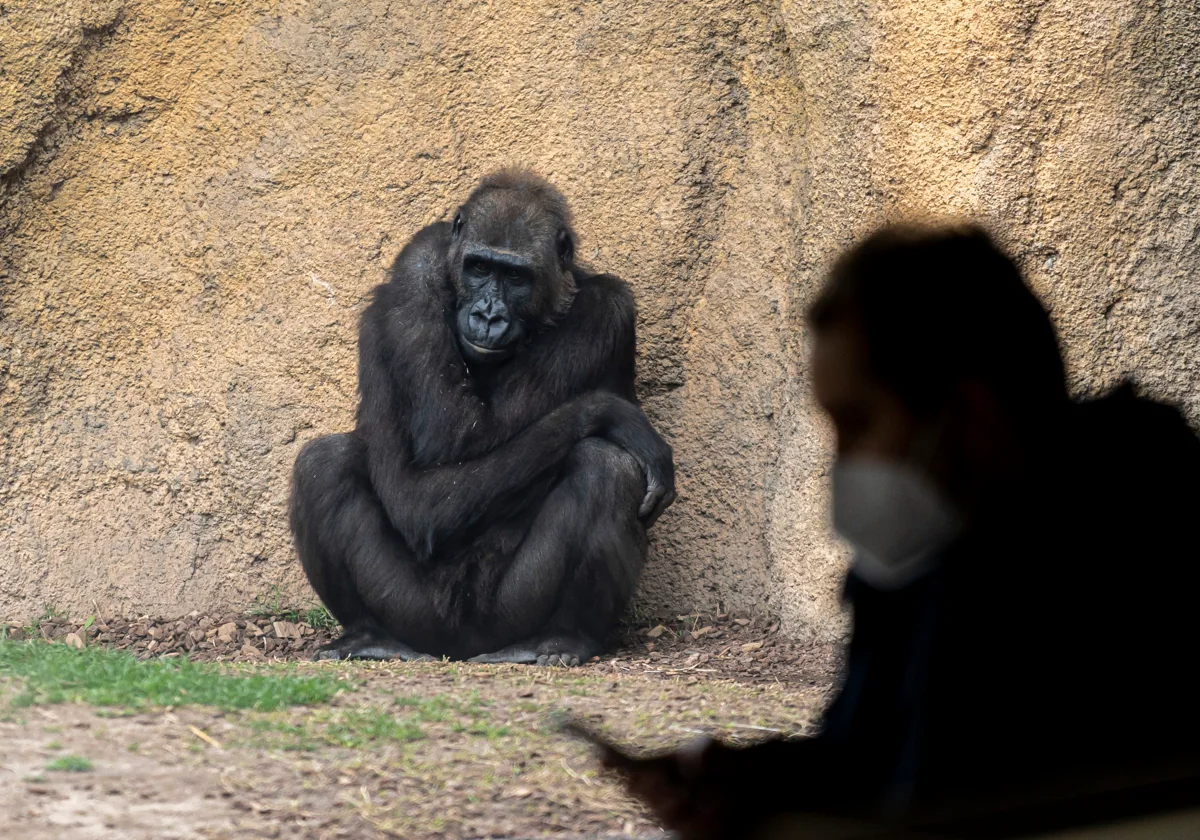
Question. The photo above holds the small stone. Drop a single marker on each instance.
(520, 793)
(73, 640)
(749, 646)
(741, 621)
(251, 652)
(227, 632)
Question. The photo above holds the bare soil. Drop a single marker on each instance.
(480, 759)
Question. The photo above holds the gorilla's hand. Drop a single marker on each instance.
(621, 422)
(660, 482)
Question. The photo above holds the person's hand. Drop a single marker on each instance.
(692, 792)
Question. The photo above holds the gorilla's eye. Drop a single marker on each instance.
(456, 227)
(517, 278)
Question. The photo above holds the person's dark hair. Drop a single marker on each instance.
(939, 306)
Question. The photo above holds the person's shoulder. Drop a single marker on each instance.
(1124, 421)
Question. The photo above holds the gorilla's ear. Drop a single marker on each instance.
(456, 226)
(566, 246)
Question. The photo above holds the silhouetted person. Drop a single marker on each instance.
(1025, 568)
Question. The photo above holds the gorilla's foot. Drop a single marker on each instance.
(369, 644)
(562, 651)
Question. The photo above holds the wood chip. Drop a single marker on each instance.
(73, 640)
(656, 632)
(286, 630)
(752, 646)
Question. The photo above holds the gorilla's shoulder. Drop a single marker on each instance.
(418, 274)
(606, 294)
(424, 256)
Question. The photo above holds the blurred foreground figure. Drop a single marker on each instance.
(1025, 567)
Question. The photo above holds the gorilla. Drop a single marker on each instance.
(492, 502)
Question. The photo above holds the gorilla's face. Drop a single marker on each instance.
(511, 275)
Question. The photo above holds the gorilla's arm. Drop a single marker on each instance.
(431, 504)
(592, 348)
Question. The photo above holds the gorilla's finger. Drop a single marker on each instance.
(653, 506)
(649, 503)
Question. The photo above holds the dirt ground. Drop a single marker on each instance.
(413, 750)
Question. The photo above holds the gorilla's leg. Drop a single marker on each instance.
(343, 539)
(579, 564)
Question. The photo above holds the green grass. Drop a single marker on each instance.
(55, 673)
(369, 726)
(318, 617)
(272, 607)
(350, 728)
(69, 764)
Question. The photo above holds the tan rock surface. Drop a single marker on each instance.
(197, 197)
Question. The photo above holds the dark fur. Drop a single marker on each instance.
(480, 507)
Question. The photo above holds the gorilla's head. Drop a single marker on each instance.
(511, 254)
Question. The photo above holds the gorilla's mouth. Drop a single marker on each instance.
(485, 352)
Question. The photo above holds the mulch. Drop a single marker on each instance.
(748, 649)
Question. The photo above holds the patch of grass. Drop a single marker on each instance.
(319, 618)
(54, 745)
(430, 709)
(482, 729)
(403, 722)
(272, 607)
(53, 613)
(350, 728)
(69, 764)
(53, 673)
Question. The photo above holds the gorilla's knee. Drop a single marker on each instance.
(325, 457)
(603, 464)
(322, 465)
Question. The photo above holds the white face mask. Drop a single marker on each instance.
(894, 518)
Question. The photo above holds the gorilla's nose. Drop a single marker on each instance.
(489, 321)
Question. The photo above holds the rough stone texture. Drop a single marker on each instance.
(197, 197)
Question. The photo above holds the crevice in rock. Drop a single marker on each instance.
(67, 88)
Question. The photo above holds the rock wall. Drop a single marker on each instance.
(196, 198)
